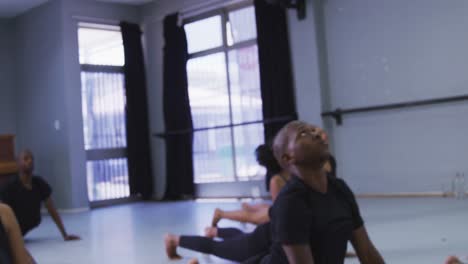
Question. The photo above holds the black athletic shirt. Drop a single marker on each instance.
(27, 203)
(301, 215)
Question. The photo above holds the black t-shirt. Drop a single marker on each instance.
(26, 203)
(301, 215)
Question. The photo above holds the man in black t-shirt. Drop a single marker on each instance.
(25, 195)
(314, 216)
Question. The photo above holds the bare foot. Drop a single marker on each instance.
(453, 260)
(193, 261)
(216, 217)
(211, 232)
(245, 206)
(171, 242)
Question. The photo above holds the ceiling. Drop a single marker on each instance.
(12, 8)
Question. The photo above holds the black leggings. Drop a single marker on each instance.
(236, 246)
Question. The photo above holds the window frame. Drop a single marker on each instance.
(225, 49)
(103, 154)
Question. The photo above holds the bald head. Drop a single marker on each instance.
(281, 140)
(26, 161)
(288, 134)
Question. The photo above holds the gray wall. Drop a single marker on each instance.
(360, 53)
(394, 51)
(49, 89)
(97, 13)
(344, 54)
(7, 81)
(310, 77)
(41, 93)
(304, 59)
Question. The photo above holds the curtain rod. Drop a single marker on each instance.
(194, 10)
(102, 22)
(97, 20)
(208, 6)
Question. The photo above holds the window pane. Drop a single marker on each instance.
(245, 85)
(212, 156)
(107, 179)
(103, 110)
(242, 24)
(204, 34)
(247, 138)
(208, 93)
(100, 47)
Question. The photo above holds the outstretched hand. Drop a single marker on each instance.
(71, 237)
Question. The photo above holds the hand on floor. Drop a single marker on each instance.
(71, 237)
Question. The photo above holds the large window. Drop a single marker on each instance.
(103, 96)
(224, 92)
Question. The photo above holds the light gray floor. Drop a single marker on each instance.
(413, 231)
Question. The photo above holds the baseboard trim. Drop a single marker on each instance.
(68, 211)
(359, 195)
(74, 210)
(406, 195)
(118, 201)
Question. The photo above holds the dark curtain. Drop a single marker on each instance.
(275, 66)
(177, 116)
(138, 138)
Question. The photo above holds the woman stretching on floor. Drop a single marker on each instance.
(237, 245)
(275, 179)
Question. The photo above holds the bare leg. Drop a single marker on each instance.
(254, 207)
(19, 253)
(255, 217)
(217, 216)
(211, 232)
(172, 242)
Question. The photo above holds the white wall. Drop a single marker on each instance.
(49, 89)
(7, 81)
(40, 100)
(394, 51)
(309, 76)
(104, 13)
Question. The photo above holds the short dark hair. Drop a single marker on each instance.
(265, 158)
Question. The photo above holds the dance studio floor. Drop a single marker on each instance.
(417, 230)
